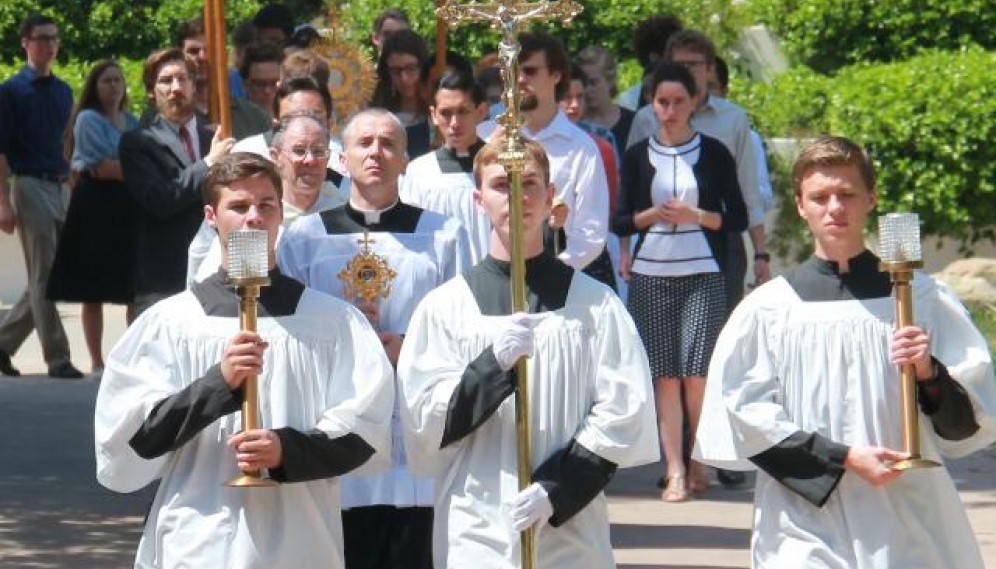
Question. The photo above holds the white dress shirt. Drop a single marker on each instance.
(578, 176)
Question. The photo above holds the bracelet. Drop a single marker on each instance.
(766, 257)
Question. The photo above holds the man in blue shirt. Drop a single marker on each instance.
(34, 109)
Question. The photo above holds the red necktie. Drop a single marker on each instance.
(188, 144)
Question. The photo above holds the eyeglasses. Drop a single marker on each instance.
(690, 64)
(300, 152)
(259, 84)
(531, 70)
(410, 69)
(45, 39)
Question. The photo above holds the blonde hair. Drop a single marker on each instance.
(491, 152)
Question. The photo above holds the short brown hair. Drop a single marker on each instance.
(306, 63)
(238, 166)
(691, 40)
(155, 62)
(491, 152)
(555, 54)
(833, 151)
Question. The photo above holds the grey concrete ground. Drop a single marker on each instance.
(54, 515)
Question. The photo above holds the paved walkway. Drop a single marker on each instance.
(54, 515)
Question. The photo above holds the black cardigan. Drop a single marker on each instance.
(719, 192)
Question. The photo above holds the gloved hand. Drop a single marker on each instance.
(531, 508)
(514, 339)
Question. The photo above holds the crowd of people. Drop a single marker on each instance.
(389, 417)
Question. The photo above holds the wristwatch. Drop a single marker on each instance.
(766, 257)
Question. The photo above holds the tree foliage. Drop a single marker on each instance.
(926, 123)
(96, 29)
(826, 35)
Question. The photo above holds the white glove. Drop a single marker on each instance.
(514, 339)
(531, 508)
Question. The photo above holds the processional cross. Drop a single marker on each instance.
(509, 16)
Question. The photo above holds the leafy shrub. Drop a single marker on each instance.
(829, 34)
(95, 29)
(926, 123)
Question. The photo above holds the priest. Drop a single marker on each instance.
(589, 389)
(804, 386)
(167, 408)
(387, 518)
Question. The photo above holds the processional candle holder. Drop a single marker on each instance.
(900, 254)
(248, 272)
(509, 16)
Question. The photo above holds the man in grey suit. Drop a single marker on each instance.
(34, 109)
(163, 169)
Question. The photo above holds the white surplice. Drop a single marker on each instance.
(451, 194)
(316, 375)
(782, 365)
(588, 380)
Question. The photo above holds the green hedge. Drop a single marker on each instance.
(95, 29)
(826, 35)
(927, 123)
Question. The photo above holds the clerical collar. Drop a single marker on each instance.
(452, 162)
(820, 280)
(370, 217)
(218, 298)
(533, 263)
(864, 262)
(548, 281)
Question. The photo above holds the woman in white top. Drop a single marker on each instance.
(680, 194)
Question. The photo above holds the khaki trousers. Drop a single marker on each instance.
(40, 206)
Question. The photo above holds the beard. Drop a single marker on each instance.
(528, 103)
(178, 109)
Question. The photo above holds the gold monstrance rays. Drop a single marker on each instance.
(509, 16)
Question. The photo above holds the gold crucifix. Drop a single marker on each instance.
(509, 16)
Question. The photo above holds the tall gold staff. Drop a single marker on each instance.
(214, 31)
(899, 250)
(509, 17)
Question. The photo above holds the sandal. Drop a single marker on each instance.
(699, 478)
(676, 490)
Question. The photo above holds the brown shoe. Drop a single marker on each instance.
(698, 478)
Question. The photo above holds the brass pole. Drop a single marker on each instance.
(901, 275)
(248, 296)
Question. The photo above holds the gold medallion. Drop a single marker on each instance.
(367, 275)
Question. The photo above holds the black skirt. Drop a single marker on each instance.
(679, 319)
(95, 258)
